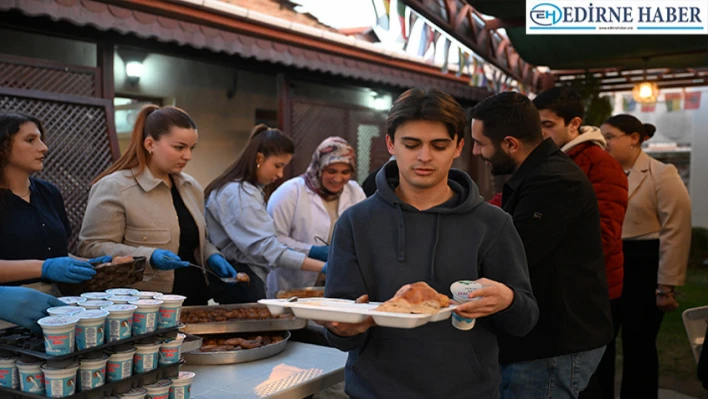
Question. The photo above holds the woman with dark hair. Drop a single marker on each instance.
(305, 209)
(656, 238)
(34, 228)
(238, 222)
(144, 205)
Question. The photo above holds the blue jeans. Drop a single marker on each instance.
(553, 378)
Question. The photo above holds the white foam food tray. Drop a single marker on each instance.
(346, 311)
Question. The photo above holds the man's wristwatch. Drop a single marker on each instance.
(664, 292)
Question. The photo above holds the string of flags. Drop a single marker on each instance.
(401, 27)
(691, 100)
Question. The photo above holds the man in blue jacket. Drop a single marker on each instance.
(555, 212)
(427, 223)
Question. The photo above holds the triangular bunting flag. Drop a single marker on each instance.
(649, 107)
(628, 104)
(673, 101)
(692, 100)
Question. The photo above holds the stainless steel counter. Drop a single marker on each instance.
(299, 371)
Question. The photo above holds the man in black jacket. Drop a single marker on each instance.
(555, 212)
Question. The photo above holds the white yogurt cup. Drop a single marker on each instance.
(90, 328)
(72, 300)
(31, 376)
(92, 373)
(170, 310)
(58, 334)
(135, 393)
(147, 294)
(146, 357)
(122, 291)
(119, 323)
(158, 390)
(121, 299)
(120, 365)
(170, 350)
(182, 385)
(96, 296)
(145, 316)
(60, 382)
(95, 304)
(460, 291)
(8, 372)
(65, 310)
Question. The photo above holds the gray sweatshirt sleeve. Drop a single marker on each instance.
(344, 279)
(243, 217)
(505, 262)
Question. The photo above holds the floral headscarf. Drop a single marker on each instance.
(330, 151)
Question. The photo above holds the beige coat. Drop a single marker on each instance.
(133, 214)
(659, 206)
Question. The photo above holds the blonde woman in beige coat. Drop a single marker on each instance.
(144, 205)
(656, 238)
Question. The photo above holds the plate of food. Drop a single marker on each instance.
(238, 348)
(413, 306)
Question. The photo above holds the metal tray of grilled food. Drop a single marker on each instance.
(305, 292)
(247, 317)
(237, 356)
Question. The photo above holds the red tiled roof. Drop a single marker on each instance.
(166, 29)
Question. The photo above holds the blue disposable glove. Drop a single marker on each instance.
(221, 266)
(324, 268)
(67, 270)
(24, 306)
(319, 252)
(100, 259)
(166, 260)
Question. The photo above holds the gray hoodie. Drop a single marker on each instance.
(381, 244)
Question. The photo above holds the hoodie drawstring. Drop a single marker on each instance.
(435, 246)
(401, 235)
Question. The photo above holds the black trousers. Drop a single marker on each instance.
(190, 282)
(226, 294)
(641, 320)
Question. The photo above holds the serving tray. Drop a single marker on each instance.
(240, 356)
(241, 325)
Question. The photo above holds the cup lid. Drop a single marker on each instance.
(171, 298)
(96, 304)
(134, 392)
(146, 302)
(58, 321)
(122, 291)
(60, 365)
(119, 308)
(92, 314)
(185, 375)
(65, 310)
(71, 299)
(159, 384)
(95, 295)
(122, 298)
(147, 294)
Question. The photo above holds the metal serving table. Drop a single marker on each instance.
(299, 371)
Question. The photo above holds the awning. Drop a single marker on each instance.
(149, 23)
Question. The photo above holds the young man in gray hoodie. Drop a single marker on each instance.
(427, 222)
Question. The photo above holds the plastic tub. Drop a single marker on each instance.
(119, 323)
(96, 296)
(72, 300)
(120, 365)
(182, 385)
(90, 328)
(145, 316)
(92, 373)
(170, 351)
(58, 334)
(170, 310)
(135, 393)
(95, 304)
(8, 372)
(122, 291)
(60, 382)
(31, 376)
(147, 294)
(65, 310)
(158, 390)
(146, 357)
(121, 299)
(460, 290)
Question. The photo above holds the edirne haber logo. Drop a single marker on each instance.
(613, 17)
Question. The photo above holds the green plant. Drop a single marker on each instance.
(699, 247)
(597, 108)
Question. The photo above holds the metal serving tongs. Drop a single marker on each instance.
(227, 280)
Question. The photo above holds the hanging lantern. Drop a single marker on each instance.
(645, 92)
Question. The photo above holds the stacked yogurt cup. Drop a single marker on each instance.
(460, 291)
(91, 320)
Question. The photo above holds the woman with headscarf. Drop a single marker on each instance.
(305, 208)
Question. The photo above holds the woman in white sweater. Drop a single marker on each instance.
(306, 208)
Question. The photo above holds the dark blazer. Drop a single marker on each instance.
(556, 214)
